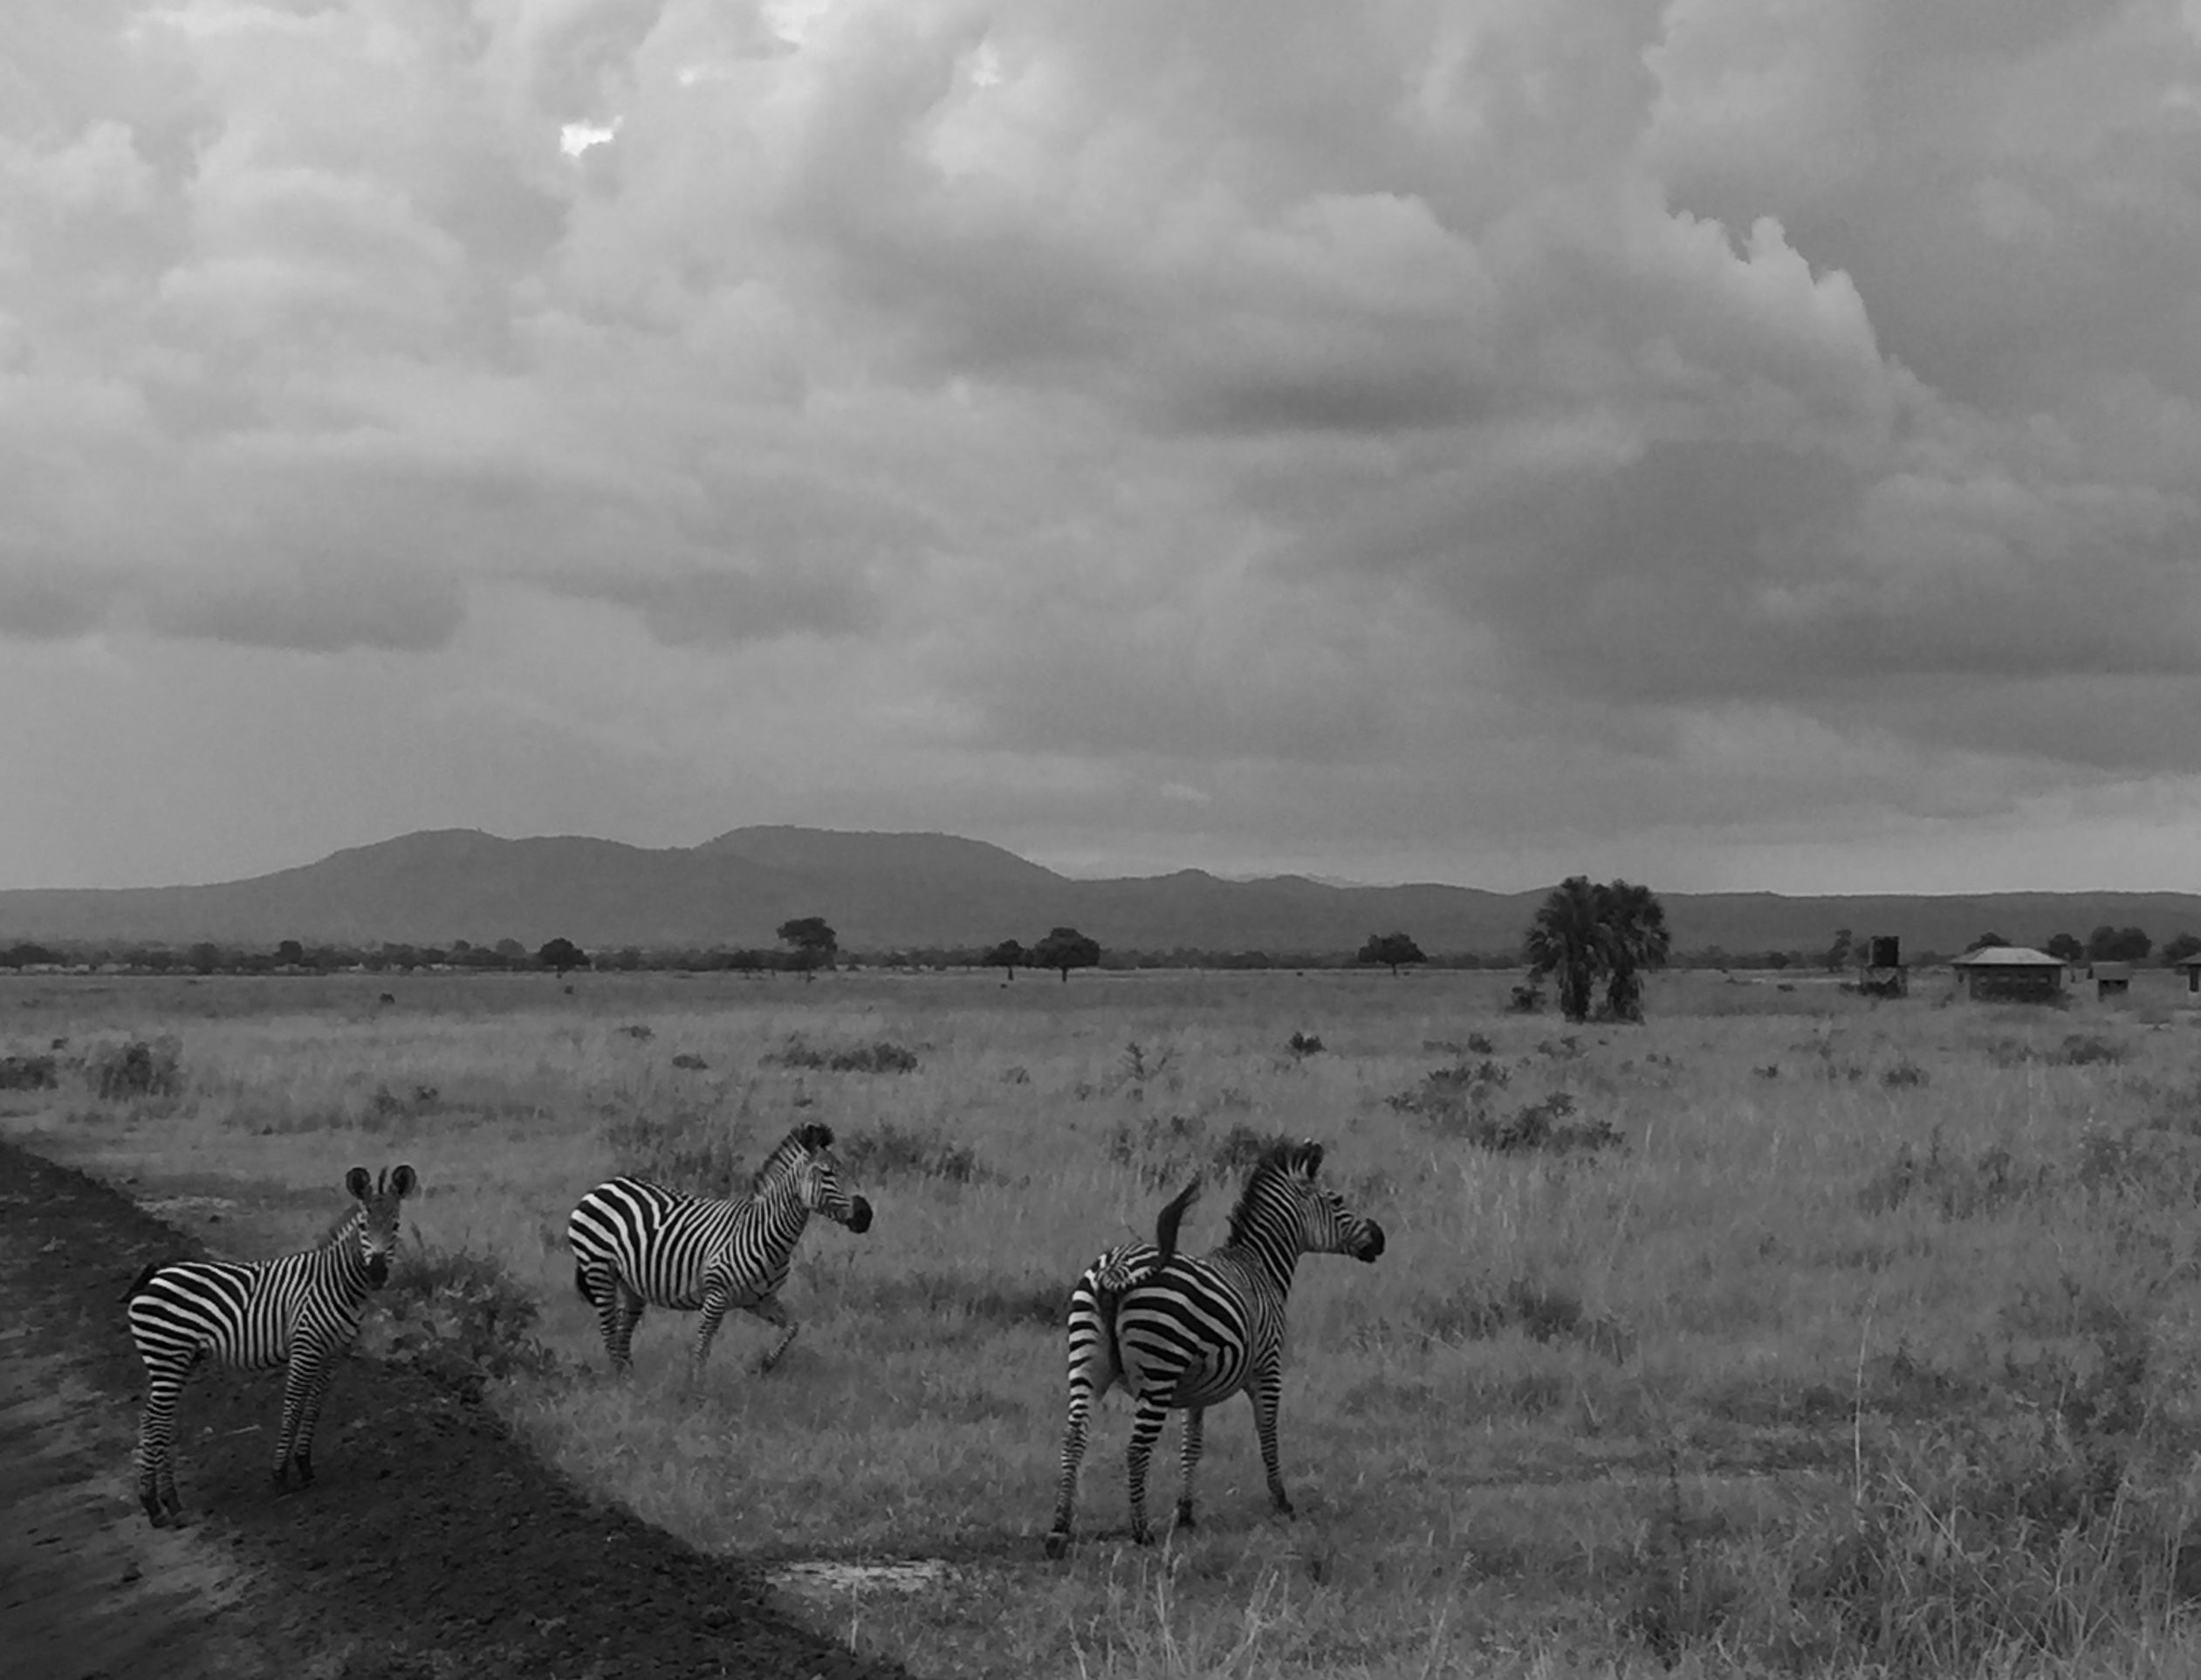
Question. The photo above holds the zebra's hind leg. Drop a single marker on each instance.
(1265, 1391)
(1146, 1429)
(157, 1454)
(1195, 1421)
(621, 1311)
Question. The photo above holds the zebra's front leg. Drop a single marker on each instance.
(1195, 1421)
(773, 1313)
(299, 1381)
(302, 1450)
(1146, 1429)
(1265, 1391)
(716, 1301)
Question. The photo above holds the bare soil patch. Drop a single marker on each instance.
(433, 1544)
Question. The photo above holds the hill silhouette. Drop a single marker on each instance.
(884, 891)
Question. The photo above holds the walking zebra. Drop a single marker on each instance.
(1183, 1333)
(301, 1309)
(638, 1245)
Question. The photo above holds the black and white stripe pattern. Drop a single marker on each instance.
(300, 1310)
(1183, 1333)
(638, 1245)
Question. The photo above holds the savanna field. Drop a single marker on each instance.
(1790, 1332)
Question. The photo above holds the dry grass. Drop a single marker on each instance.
(1787, 1333)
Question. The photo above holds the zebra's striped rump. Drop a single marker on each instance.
(1183, 1332)
(301, 1310)
(637, 1244)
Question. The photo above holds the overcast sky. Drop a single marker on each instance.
(1729, 443)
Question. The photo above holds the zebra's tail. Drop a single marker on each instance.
(1172, 1216)
(137, 1287)
(580, 1284)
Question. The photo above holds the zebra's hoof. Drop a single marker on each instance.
(1184, 1517)
(306, 1470)
(1058, 1543)
(282, 1476)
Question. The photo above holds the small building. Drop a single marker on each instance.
(2010, 974)
(2111, 979)
(2192, 967)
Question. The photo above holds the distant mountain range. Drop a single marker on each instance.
(883, 892)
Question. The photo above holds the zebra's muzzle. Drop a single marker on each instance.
(378, 1270)
(860, 1215)
(1373, 1246)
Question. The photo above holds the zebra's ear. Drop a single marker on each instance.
(403, 1182)
(359, 1182)
(1310, 1157)
(817, 1135)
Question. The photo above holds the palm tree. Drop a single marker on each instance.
(1635, 939)
(1567, 939)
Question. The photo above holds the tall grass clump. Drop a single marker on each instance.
(135, 1068)
(684, 1148)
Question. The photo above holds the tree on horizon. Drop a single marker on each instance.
(811, 940)
(1586, 931)
(1391, 948)
(1065, 948)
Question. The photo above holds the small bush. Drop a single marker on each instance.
(685, 1149)
(1527, 998)
(29, 1073)
(1546, 1312)
(883, 1057)
(1959, 1187)
(1905, 1074)
(692, 1063)
(1304, 1043)
(639, 1032)
(121, 1072)
(893, 1150)
(462, 1318)
(1238, 1149)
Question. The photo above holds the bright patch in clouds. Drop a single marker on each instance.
(1722, 445)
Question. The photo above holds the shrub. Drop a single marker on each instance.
(883, 1057)
(1303, 1044)
(685, 1149)
(1526, 998)
(692, 1063)
(462, 1318)
(121, 1072)
(1959, 1187)
(29, 1073)
(893, 1150)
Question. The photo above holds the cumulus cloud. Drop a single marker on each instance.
(1727, 402)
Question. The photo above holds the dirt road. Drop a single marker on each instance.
(433, 1545)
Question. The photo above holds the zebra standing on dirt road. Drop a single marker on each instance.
(1182, 1333)
(638, 1245)
(301, 1309)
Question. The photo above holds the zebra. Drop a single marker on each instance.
(638, 1245)
(300, 1310)
(1183, 1333)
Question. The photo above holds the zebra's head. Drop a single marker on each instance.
(375, 1219)
(1285, 1193)
(818, 1181)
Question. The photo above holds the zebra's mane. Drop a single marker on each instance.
(803, 1140)
(341, 1227)
(1281, 1160)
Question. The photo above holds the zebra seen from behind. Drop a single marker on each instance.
(299, 1310)
(1183, 1333)
(638, 1245)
